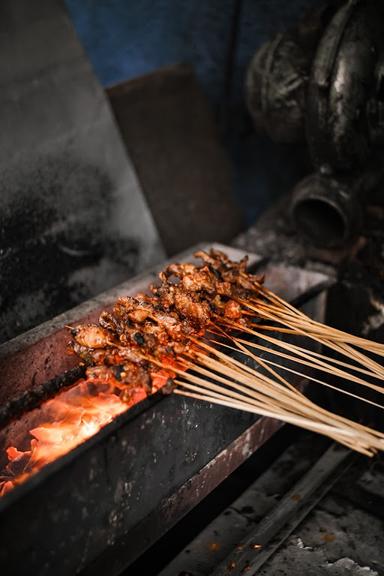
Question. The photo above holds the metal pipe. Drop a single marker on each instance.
(326, 211)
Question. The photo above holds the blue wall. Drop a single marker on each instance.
(126, 38)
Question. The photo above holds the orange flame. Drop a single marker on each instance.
(69, 419)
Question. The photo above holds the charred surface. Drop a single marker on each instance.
(57, 248)
(31, 399)
(73, 220)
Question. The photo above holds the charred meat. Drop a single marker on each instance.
(137, 343)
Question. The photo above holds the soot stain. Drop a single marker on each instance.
(58, 245)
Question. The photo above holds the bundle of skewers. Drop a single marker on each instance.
(216, 333)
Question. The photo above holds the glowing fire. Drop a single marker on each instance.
(68, 420)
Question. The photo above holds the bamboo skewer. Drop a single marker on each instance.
(305, 406)
(344, 437)
(331, 331)
(322, 366)
(307, 376)
(330, 419)
(318, 408)
(292, 419)
(308, 352)
(232, 383)
(328, 367)
(288, 312)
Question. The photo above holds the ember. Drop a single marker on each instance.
(66, 421)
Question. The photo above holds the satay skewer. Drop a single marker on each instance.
(197, 312)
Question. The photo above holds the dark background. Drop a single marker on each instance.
(125, 39)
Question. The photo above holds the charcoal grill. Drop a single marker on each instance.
(95, 510)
